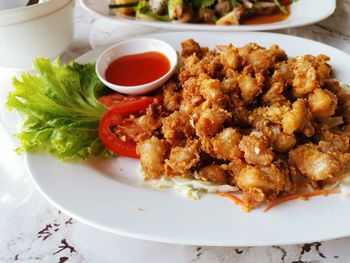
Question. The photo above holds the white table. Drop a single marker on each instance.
(31, 230)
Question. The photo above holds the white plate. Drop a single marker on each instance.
(303, 12)
(112, 196)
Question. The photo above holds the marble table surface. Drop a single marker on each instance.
(31, 230)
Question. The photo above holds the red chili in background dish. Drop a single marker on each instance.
(137, 69)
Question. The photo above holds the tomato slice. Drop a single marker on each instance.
(115, 119)
(111, 141)
(117, 99)
(111, 100)
(133, 106)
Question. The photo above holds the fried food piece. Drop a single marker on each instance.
(214, 174)
(264, 59)
(322, 103)
(191, 93)
(240, 113)
(274, 95)
(177, 126)
(211, 122)
(343, 95)
(182, 159)
(305, 80)
(299, 119)
(246, 50)
(280, 141)
(256, 149)
(230, 58)
(193, 66)
(210, 89)
(334, 141)
(229, 84)
(225, 144)
(151, 120)
(276, 87)
(152, 157)
(212, 65)
(171, 97)
(285, 72)
(262, 116)
(190, 47)
(311, 162)
(310, 74)
(323, 69)
(250, 87)
(269, 121)
(260, 183)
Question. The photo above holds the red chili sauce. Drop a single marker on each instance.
(137, 69)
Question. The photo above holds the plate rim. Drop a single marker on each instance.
(209, 28)
(164, 238)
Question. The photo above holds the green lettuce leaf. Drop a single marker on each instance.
(58, 109)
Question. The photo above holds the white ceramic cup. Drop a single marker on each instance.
(10, 4)
(41, 30)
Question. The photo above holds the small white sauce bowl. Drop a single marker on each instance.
(131, 47)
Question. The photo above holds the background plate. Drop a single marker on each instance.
(303, 12)
(111, 195)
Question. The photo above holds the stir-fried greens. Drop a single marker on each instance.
(221, 12)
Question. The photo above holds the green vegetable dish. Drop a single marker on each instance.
(220, 12)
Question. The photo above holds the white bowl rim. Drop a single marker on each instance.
(16, 18)
(137, 89)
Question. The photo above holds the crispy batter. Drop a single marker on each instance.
(225, 144)
(334, 141)
(280, 141)
(177, 126)
(250, 117)
(256, 149)
(250, 87)
(172, 97)
(311, 162)
(310, 73)
(322, 103)
(214, 174)
(152, 157)
(182, 159)
(189, 47)
(211, 90)
(230, 58)
(264, 59)
(261, 183)
(211, 122)
(299, 119)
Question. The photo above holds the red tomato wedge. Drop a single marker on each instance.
(115, 119)
(111, 141)
(115, 99)
(109, 101)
